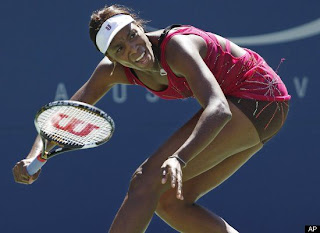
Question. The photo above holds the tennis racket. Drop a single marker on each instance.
(69, 125)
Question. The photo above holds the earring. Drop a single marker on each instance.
(114, 67)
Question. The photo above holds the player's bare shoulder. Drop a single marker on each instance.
(111, 73)
(186, 44)
(183, 52)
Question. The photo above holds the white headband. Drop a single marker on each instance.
(109, 29)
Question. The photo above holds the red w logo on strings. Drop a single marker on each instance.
(73, 125)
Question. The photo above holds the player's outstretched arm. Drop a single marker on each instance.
(101, 81)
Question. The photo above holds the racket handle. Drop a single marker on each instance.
(35, 165)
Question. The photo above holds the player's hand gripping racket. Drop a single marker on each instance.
(70, 125)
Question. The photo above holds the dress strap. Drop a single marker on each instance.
(228, 46)
(163, 35)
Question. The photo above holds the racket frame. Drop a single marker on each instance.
(41, 159)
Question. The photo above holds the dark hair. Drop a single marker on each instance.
(98, 17)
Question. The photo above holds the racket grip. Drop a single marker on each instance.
(35, 165)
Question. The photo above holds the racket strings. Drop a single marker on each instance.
(74, 126)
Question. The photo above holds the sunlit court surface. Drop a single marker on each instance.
(47, 55)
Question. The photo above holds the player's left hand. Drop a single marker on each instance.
(172, 167)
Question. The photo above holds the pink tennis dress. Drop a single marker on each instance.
(247, 77)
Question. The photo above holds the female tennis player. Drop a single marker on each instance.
(243, 104)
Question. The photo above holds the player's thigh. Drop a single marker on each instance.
(203, 183)
(196, 187)
(238, 135)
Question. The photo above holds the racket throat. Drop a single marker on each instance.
(43, 157)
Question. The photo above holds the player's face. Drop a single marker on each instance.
(132, 48)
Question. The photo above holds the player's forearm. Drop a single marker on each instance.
(37, 148)
(210, 123)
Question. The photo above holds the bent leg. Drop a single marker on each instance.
(146, 189)
(186, 216)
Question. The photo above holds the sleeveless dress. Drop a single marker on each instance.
(248, 77)
(247, 81)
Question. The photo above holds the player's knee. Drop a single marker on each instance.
(143, 184)
(169, 205)
(136, 181)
